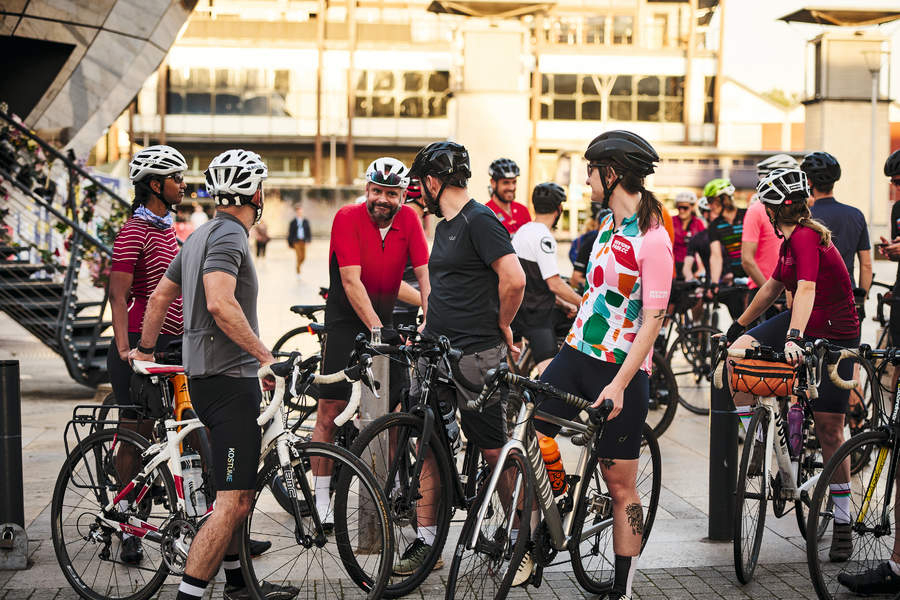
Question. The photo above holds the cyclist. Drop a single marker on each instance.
(478, 285)
(811, 270)
(536, 248)
(406, 310)
(686, 226)
(370, 246)
(885, 578)
(847, 223)
(725, 242)
(696, 260)
(607, 351)
(222, 354)
(143, 249)
(504, 174)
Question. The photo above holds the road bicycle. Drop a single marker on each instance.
(798, 467)
(296, 339)
(488, 552)
(872, 505)
(94, 506)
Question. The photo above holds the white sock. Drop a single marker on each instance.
(322, 485)
(894, 567)
(745, 413)
(428, 533)
(513, 536)
(840, 495)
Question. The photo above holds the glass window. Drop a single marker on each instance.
(675, 86)
(228, 104)
(648, 110)
(564, 110)
(545, 84)
(591, 110)
(623, 29)
(594, 30)
(648, 86)
(412, 108)
(174, 103)
(361, 80)
(282, 81)
(622, 86)
(257, 105)
(588, 87)
(383, 107)
(564, 83)
(437, 106)
(254, 79)
(545, 110)
(439, 81)
(412, 82)
(222, 79)
(709, 106)
(198, 104)
(621, 110)
(199, 79)
(361, 108)
(384, 80)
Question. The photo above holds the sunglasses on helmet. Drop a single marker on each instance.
(382, 178)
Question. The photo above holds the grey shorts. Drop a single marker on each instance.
(486, 429)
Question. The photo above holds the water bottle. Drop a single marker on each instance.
(448, 416)
(553, 462)
(192, 484)
(795, 429)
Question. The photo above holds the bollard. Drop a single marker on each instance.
(723, 463)
(13, 541)
(370, 408)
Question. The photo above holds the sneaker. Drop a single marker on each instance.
(841, 543)
(268, 591)
(257, 547)
(754, 469)
(880, 580)
(132, 552)
(415, 555)
(524, 570)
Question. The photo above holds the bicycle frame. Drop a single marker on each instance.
(786, 466)
(880, 460)
(524, 439)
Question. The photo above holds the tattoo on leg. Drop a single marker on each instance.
(607, 462)
(635, 514)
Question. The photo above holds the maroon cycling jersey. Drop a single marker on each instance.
(356, 240)
(803, 257)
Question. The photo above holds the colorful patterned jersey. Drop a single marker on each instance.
(628, 272)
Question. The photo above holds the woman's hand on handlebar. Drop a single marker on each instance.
(793, 353)
(616, 394)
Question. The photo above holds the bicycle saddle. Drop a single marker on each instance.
(145, 367)
(307, 309)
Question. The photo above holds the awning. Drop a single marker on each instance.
(842, 17)
(490, 8)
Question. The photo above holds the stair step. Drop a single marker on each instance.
(82, 343)
(31, 287)
(19, 270)
(7, 250)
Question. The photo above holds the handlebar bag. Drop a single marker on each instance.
(147, 396)
(762, 378)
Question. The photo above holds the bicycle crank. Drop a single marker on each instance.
(177, 537)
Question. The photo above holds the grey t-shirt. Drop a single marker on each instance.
(219, 245)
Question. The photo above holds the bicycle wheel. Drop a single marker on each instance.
(864, 409)
(360, 546)
(750, 499)
(663, 396)
(299, 339)
(872, 519)
(485, 569)
(592, 557)
(388, 447)
(88, 549)
(690, 358)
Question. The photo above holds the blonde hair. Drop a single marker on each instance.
(798, 213)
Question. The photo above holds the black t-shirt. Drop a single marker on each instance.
(729, 235)
(699, 245)
(895, 231)
(464, 303)
(409, 276)
(584, 252)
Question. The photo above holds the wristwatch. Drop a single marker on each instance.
(143, 350)
(794, 334)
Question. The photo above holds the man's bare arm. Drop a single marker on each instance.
(227, 312)
(358, 296)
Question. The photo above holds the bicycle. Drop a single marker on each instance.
(872, 496)
(294, 340)
(92, 504)
(798, 466)
(486, 555)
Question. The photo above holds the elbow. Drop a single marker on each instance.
(215, 307)
(517, 283)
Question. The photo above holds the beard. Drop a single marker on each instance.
(386, 213)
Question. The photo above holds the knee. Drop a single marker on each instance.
(830, 435)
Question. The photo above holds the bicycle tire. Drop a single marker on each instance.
(599, 579)
(370, 447)
(494, 549)
(198, 440)
(876, 547)
(355, 487)
(663, 396)
(695, 346)
(748, 534)
(87, 455)
(287, 343)
(863, 410)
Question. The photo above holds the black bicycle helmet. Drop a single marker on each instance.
(547, 197)
(821, 168)
(892, 164)
(503, 168)
(624, 149)
(441, 159)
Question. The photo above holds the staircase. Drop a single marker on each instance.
(57, 227)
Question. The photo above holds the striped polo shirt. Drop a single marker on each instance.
(145, 251)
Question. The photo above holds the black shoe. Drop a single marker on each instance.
(257, 547)
(268, 591)
(132, 552)
(880, 580)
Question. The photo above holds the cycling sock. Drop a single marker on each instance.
(233, 575)
(322, 485)
(745, 413)
(513, 536)
(895, 567)
(191, 588)
(428, 533)
(840, 494)
(625, 568)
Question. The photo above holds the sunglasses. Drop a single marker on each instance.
(177, 178)
(591, 167)
(388, 179)
(895, 182)
(683, 207)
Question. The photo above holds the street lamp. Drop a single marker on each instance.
(873, 63)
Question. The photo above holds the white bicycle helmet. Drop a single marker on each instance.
(703, 203)
(235, 174)
(686, 197)
(388, 172)
(156, 160)
(783, 186)
(777, 161)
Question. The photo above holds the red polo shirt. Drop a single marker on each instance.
(518, 216)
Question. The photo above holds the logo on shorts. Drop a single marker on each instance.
(229, 465)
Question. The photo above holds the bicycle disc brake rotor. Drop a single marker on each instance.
(177, 538)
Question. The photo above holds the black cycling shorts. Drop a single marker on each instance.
(339, 345)
(120, 371)
(832, 399)
(542, 341)
(894, 319)
(577, 373)
(229, 407)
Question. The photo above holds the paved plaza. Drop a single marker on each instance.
(677, 562)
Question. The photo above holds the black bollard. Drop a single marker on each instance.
(12, 507)
(723, 463)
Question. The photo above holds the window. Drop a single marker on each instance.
(623, 29)
(404, 94)
(594, 30)
(709, 113)
(652, 98)
(658, 32)
(256, 92)
(570, 97)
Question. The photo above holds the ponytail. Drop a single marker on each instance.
(798, 213)
(649, 209)
(142, 194)
(819, 227)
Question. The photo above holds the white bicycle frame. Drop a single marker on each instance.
(786, 466)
